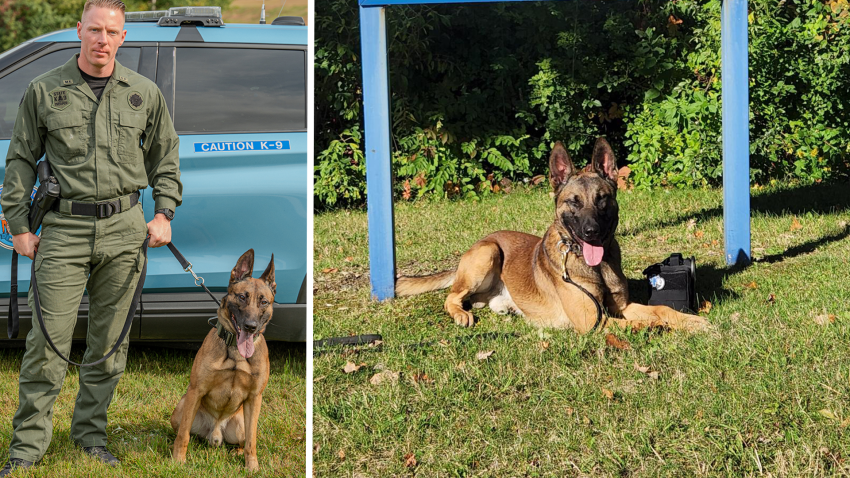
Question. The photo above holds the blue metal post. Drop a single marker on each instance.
(736, 131)
(376, 112)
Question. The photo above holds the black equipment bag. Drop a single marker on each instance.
(671, 283)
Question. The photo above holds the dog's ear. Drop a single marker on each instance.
(560, 165)
(244, 267)
(604, 162)
(268, 276)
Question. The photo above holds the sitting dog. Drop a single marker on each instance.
(231, 369)
(550, 280)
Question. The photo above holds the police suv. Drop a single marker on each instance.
(238, 97)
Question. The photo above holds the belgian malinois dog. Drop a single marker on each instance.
(231, 369)
(542, 278)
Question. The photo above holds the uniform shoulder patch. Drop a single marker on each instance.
(59, 99)
(135, 100)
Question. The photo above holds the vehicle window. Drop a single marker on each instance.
(13, 85)
(239, 89)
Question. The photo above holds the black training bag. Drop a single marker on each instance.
(671, 283)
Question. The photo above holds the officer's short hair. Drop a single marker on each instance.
(110, 4)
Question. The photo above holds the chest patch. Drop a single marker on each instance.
(135, 100)
(59, 99)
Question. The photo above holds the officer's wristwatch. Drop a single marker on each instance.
(169, 214)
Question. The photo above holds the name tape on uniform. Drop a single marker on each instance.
(241, 146)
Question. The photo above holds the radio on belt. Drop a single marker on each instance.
(671, 283)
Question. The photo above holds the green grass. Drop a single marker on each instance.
(140, 434)
(765, 392)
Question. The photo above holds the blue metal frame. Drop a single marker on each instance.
(376, 107)
(736, 131)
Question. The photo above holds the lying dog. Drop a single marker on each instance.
(231, 369)
(542, 278)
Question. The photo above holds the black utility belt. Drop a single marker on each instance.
(100, 210)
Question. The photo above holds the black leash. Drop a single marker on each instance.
(127, 323)
(14, 319)
(565, 247)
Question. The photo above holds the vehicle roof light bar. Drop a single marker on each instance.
(176, 16)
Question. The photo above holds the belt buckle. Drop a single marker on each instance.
(105, 209)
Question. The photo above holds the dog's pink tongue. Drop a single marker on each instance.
(245, 344)
(592, 254)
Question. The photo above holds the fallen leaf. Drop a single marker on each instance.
(824, 319)
(844, 423)
(443, 343)
(715, 242)
(484, 355)
(608, 393)
(623, 177)
(351, 367)
(653, 375)
(699, 234)
(538, 179)
(349, 259)
(771, 299)
(692, 223)
(375, 343)
(544, 345)
(617, 343)
(406, 194)
(319, 379)
(409, 460)
(341, 454)
(795, 224)
(752, 285)
(828, 414)
(385, 376)
(640, 368)
(422, 377)
(705, 306)
(330, 270)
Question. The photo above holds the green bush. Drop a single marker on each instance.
(480, 92)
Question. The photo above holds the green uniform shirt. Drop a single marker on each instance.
(99, 150)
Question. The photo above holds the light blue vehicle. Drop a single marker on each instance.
(238, 98)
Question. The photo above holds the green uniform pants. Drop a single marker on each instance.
(78, 253)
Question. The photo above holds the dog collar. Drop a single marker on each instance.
(565, 246)
(224, 334)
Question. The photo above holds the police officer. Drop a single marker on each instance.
(107, 134)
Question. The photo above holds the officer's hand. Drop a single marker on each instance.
(26, 244)
(159, 230)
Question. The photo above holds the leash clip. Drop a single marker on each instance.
(199, 281)
(564, 248)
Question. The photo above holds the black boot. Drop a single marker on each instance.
(102, 454)
(13, 464)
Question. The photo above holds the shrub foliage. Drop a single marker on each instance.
(480, 92)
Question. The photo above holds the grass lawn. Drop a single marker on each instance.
(140, 434)
(764, 393)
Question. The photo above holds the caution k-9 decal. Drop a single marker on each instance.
(241, 146)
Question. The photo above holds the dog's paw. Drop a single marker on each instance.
(251, 464)
(463, 318)
(694, 323)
